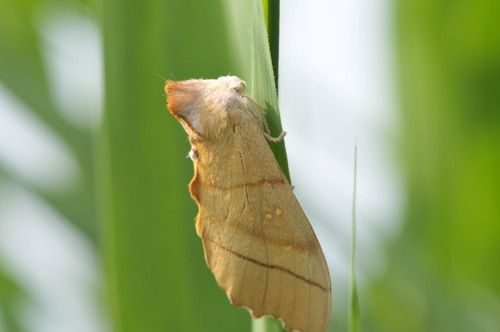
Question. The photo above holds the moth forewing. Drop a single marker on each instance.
(257, 240)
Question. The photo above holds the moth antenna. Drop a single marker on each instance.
(275, 139)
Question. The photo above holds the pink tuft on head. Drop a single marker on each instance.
(184, 100)
(182, 95)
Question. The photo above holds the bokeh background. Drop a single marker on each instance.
(96, 223)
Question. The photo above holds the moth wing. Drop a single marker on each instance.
(260, 245)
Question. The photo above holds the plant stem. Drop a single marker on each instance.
(272, 17)
(265, 45)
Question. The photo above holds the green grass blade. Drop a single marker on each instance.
(354, 315)
(263, 89)
(442, 270)
(271, 10)
(262, 85)
(156, 272)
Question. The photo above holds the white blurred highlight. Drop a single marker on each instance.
(51, 260)
(336, 88)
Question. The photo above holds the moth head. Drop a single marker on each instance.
(204, 106)
(233, 83)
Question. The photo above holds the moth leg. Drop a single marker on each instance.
(267, 132)
(275, 139)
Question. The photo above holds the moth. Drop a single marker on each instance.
(257, 240)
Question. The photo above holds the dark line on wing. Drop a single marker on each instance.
(269, 266)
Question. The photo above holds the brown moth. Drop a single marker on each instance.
(257, 240)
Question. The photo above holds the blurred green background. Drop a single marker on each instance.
(126, 200)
